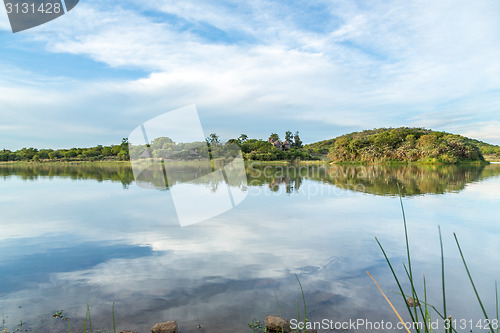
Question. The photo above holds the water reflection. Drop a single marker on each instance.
(372, 179)
(65, 244)
(116, 172)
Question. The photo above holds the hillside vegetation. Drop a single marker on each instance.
(402, 145)
(384, 145)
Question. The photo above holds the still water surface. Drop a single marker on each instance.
(88, 234)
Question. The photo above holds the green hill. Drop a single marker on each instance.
(402, 145)
(489, 151)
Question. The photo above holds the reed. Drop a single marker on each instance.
(412, 301)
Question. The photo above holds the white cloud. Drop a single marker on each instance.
(384, 64)
(486, 131)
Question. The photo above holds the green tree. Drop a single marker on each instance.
(115, 150)
(123, 155)
(106, 151)
(242, 138)
(297, 141)
(274, 137)
(4, 155)
(288, 136)
(43, 154)
(71, 153)
(213, 139)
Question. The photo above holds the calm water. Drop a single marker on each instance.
(72, 236)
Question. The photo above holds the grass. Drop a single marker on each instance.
(87, 316)
(257, 325)
(421, 318)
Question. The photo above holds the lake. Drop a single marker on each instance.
(78, 235)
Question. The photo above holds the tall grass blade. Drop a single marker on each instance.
(416, 300)
(433, 308)
(303, 299)
(85, 324)
(396, 278)
(113, 310)
(387, 299)
(442, 279)
(473, 285)
(427, 315)
(407, 247)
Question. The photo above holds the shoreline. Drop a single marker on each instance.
(277, 162)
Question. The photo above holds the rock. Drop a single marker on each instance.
(275, 324)
(166, 327)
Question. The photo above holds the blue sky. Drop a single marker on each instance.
(323, 68)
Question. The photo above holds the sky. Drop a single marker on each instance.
(323, 68)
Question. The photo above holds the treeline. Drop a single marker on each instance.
(164, 147)
(260, 150)
(399, 145)
(98, 153)
(214, 148)
(371, 146)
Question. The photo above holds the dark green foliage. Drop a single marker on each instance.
(297, 143)
(260, 150)
(274, 136)
(212, 139)
(242, 138)
(98, 153)
(400, 145)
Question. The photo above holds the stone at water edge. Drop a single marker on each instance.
(277, 324)
(166, 327)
